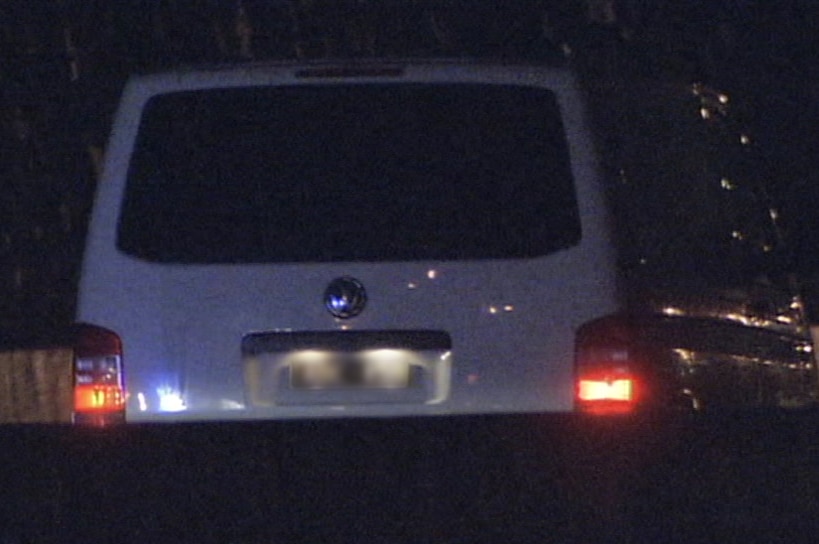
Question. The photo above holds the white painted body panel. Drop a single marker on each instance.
(511, 322)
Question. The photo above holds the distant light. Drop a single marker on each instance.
(774, 213)
(727, 184)
(671, 310)
(705, 113)
(684, 354)
(493, 310)
(643, 260)
(508, 308)
(412, 285)
(744, 139)
(737, 235)
(143, 405)
(723, 98)
(432, 273)
(731, 316)
(767, 248)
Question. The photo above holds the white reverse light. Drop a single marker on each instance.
(170, 400)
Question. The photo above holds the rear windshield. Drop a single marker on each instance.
(348, 173)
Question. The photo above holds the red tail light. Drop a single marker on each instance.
(605, 366)
(99, 392)
(606, 388)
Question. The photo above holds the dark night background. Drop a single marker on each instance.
(693, 202)
(705, 116)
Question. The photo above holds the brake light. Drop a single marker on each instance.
(605, 367)
(99, 391)
(621, 389)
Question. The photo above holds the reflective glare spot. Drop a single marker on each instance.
(619, 355)
(508, 308)
(345, 327)
(446, 355)
(170, 400)
(143, 405)
(432, 273)
(228, 404)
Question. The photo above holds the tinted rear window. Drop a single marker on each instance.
(349, 173)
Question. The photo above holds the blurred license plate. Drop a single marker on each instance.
(378, 369)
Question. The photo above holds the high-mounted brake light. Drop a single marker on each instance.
(606, 381)
(99, 391)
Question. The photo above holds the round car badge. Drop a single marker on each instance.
(345, 297)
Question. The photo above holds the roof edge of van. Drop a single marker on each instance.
(354, 64)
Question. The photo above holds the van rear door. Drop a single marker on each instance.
(459, 204)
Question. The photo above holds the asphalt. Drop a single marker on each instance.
(733, 478)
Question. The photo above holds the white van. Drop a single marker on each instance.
(347, 239)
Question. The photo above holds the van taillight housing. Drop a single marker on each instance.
(607, 368)
(99, 388)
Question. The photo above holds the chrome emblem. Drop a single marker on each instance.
(345, 297)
